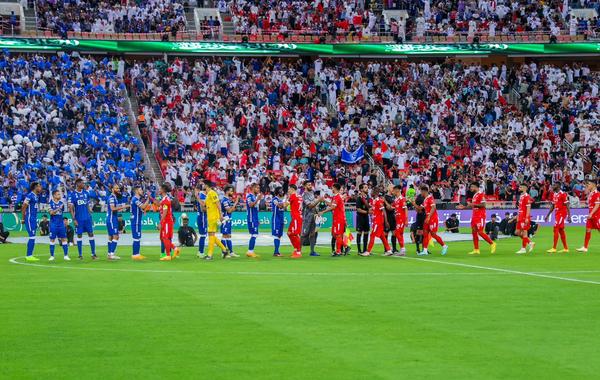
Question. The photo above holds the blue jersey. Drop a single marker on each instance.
(201, 212)
(276, 212)
(226, 203)
(32, 201)
(80, 201)
(251, 212)
(111, 201)
(136, 210)
(56, 219)
(201, 220)
(136, 217)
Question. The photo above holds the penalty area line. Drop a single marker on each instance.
(510, 271)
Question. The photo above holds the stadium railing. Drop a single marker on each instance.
(214, 35)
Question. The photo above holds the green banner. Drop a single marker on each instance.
(224, 48)
(12, 221)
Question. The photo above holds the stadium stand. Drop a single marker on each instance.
(421, 21)
(249, 120)
(63, 117)
(305, 17)
(111, 16)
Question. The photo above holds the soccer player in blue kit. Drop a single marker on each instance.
(252, 201)
(29, 211)
(228, 205)
(57, 225)
(79, 206)
(112, 222)
(278, 206)
(138, 208)
(201, 220)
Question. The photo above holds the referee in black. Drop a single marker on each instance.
(416, 229)
(391, 216)
(362, 218)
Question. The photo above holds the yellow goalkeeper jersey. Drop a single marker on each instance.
(212, 206)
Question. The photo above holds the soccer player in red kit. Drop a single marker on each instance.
(401, 212)
(295, 227)
(379, 221)
(560, 204)
(478, 220)
(593, 219)
(430, 226)
(166, 222)
(338, 209)
(524, 220)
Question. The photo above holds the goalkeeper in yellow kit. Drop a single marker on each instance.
(213, 216)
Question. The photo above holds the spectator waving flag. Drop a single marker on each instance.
(353, 157)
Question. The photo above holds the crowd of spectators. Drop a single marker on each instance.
(281, 121)
(63, 117)
(425, 17)
(494, 17)
(304, 17)
(277, 122)
(111, 16)
(335, 18)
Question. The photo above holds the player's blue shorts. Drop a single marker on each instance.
(202, 224)
(84, 226)
(226, 228)
(58, 231)
(136, 230)
(31, 227)
(112, 226)
(253, 228)
(277, 229)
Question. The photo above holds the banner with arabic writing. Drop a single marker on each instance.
(225, 48)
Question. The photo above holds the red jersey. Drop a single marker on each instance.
(339, 212)
(524, 201)
(165, 206)
(400, 208)
(378, 207)
(428, 203)
(560, 201)
(478, 199)
(295, 206)
(593, 200)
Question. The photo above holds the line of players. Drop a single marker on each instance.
(379, 215)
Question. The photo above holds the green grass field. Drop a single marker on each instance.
(454, 317)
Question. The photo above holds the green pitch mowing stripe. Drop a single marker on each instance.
(324, 318)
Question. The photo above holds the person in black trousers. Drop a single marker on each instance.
(362, 218)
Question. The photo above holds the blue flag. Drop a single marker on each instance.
(353, 157)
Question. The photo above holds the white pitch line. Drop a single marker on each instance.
(54, 266)
(532, 274)
(247, 273)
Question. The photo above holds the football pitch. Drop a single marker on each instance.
(453, 317)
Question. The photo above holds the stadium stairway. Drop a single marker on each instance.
(30, 19)
(227, 24)
(189, 19)
(152, 167)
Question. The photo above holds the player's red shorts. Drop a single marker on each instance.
(560, 220)
(523, 224)
(295, 226)
(166, 230)
(377, 229)
(400, 225)
(593, 223)
(432, 226)
(478, 223)
(338, 228)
